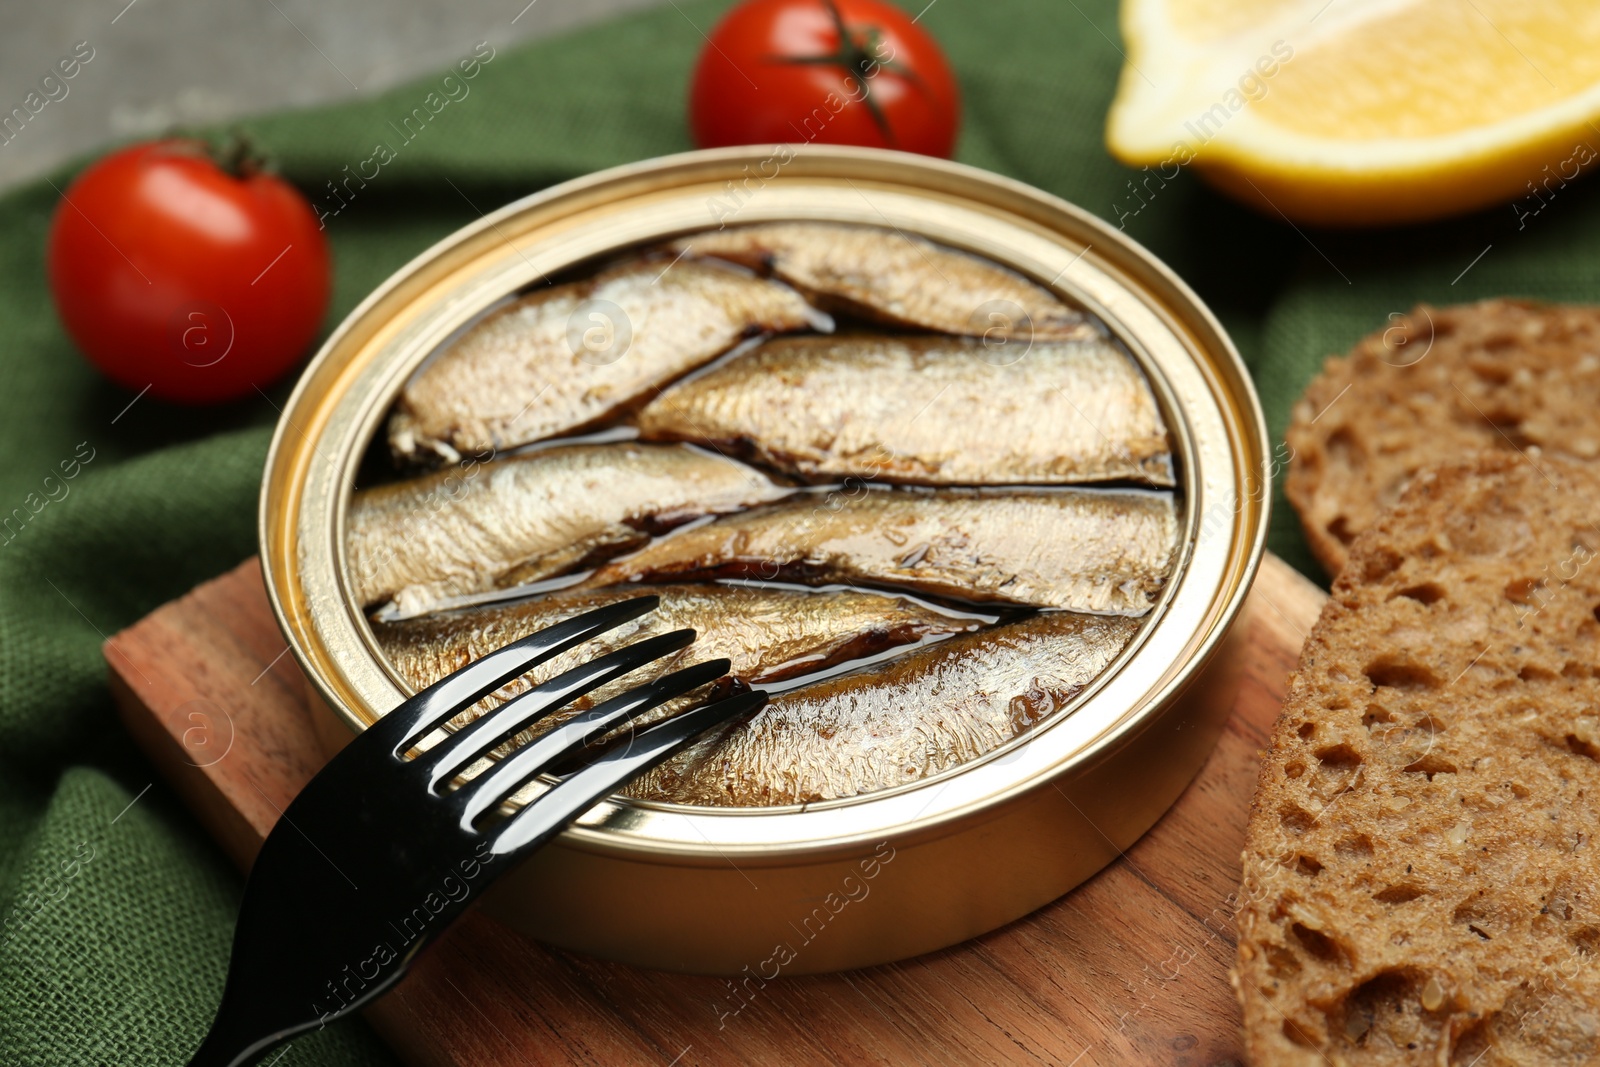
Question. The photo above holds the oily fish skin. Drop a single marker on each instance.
(768, 633)
(900, 409)
(1103, 551)
(925, 712)
(566, 358)
(529, 517)
(898, 279)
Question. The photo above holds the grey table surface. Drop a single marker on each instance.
(161, 63)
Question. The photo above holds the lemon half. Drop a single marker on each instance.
(1363, 112)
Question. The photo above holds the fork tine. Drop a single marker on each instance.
(509, 775)
(465, 745)
(548, 813)
(449, 696)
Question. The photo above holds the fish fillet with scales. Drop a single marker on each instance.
(926, 410)
(532, 516)
(900, 722)
(898, 279)
(563, 359)
(1104, 551)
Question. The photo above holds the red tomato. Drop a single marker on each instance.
(855, 72)
(171, 273)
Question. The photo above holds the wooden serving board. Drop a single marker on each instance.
(1130, 968)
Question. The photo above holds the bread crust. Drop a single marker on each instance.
(1420, 883)
(1433, 386)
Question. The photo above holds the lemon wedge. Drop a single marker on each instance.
(1361, 112)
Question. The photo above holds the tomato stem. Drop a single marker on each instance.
(238, 156)
(858, 56)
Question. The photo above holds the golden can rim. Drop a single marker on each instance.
(1211, 405)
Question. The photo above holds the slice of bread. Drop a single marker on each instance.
(1435, 386)
(1421, 878)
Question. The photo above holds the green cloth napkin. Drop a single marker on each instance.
(118, 910)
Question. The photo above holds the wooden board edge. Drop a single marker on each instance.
(1293, 601)
(201, 793)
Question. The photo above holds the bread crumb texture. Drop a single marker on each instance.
(1420, 882)
(1431, 387)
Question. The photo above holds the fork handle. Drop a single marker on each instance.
(226, 1045)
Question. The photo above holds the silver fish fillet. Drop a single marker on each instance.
(926, 410)
(898, 279)
(529, 517)
(768, 633)
(923, 713)
(1091, 550)
(563, 359)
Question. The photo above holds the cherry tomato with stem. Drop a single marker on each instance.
(199, 277)
(849, 72)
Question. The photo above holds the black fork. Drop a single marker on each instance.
(378, 854)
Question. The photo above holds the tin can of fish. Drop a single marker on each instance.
(864, 879)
